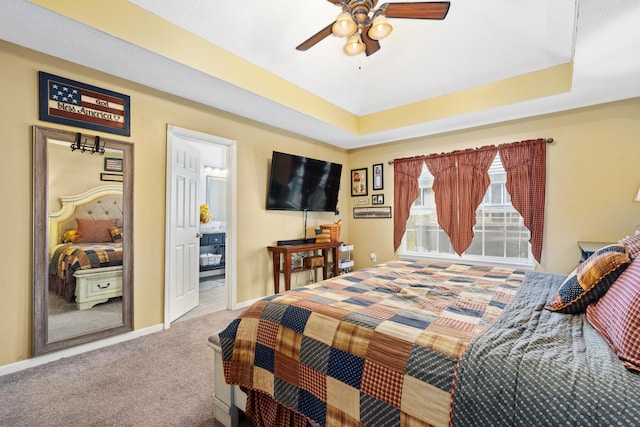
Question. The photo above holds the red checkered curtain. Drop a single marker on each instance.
(405, 185)
(526, 165)
(460, 182)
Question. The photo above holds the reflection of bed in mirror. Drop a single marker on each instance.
(85, 238)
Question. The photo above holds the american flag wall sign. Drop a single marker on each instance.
(73, 103)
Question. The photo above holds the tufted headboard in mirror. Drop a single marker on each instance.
(103, 202)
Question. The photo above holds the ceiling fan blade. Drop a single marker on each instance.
(371, 45)
(420, 10)
(335, 1)
(317, 37)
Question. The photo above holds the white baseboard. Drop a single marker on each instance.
(46, 358)
(244, 304)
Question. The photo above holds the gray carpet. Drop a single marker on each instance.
(75, 322)
(162, 379)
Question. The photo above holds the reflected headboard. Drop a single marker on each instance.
(102, 202)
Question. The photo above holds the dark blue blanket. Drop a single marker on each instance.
(534, 367)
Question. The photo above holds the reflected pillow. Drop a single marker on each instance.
(95, 230)
(590, 280)
(617, 316)
(71, 236)
(116, 234)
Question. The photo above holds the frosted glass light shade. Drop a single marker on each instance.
(380, 28)
(637, 197)
(354, 45)
(344, 25)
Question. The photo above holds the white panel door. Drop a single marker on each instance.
(184, 229)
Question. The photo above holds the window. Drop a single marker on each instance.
(500, 236)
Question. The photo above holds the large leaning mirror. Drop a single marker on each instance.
(83, 238)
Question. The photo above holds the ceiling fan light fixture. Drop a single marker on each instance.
(367, 21)
(344, 25)
(380, 28)
(354, 45)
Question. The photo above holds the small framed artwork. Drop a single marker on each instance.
(372, 212)
(112, 164)
(378, 181)
(111, 177)
(359, 182)
(377, 199)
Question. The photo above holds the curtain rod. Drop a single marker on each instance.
(548, 141)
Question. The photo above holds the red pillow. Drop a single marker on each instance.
(617, 316)
(95, 230)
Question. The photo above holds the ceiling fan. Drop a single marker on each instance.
(364, 25)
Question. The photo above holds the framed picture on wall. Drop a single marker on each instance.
(78, 104)
(359, 185)
(378, 179)
(377, 199)
(113, 164)
(111, 177)
(372, 212)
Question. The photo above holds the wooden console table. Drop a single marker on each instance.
(285, 252)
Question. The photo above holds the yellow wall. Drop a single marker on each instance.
(65, 166)
(592, 176)
(151, 111)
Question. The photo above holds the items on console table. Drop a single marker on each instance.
(284, 252)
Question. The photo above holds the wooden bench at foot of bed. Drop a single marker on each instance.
(96, 286)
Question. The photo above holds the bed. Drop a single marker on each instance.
(85, 238)
(427, 343)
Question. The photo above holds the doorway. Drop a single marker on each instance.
(199, 260)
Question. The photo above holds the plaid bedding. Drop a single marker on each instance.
(377, 346)
(534, 367)
(67, 259)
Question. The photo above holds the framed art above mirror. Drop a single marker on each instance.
(82, 239)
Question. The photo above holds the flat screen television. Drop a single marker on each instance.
(299, 183)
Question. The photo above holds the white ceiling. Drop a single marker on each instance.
(420, 59)
(479, 42)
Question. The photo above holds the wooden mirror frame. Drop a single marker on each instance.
(42, 344)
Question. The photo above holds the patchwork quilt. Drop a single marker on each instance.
(80, 256)
(377, 346)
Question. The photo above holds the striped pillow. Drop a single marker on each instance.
(632, 243)
(617, 316)
(590, 280)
